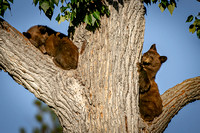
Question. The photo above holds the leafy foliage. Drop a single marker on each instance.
(163, 4)
(4, 5)
(76, 12)
(170, 5)
(195, 26)
(83, 11)
(47, 6)
(90, 12)
(44, 127)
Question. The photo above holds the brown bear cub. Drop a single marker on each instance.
(55, 44)
(38, 35)
(150, 102)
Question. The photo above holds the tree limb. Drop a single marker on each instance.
(61, 90)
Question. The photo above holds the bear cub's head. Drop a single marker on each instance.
(151, 61)
(37, 35)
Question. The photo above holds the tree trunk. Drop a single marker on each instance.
(108, 68)
(101, 95)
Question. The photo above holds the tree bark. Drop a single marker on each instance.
(108, 68)
(101, 95)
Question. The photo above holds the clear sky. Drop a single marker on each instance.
(170, 33)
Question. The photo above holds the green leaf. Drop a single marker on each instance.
(198, 14)
(107, 12)
(103, 9)
(69, 6)
(49, 13)
(39, 118)
(58, 17)
(171, 8)
(78, 4)
(62, 1)
(161, 7)
(38, 103)
(35, 2)
(164, 3)
(190, 18)
(192, 28)
(70, 24)
(74, 1)
(198, 33)
(72, 16)
(96, 14)
(197, 22)
(62, 19)
(90, 20)
(97, 23)
(22, 130)
(5, 5)
(68, 15)
(56, 2)
(74, 12)
(93, 19)
(36, 130)
(44, 127)
(63, 9)
(45, 6)
(2, 10)
(86, 19)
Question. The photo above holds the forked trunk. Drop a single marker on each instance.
(101, 95)
(108, 69)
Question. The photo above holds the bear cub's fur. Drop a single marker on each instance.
(63, 50)
(59, 46)
(150, 102)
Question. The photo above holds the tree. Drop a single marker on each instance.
(101, 95)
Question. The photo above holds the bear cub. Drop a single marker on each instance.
(38, 35)
(150, 102)
(59, 46)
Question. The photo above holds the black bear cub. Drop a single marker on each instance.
(59, 46)
(150, 102)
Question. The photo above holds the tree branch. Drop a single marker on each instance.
(61, 90)
(174, 100)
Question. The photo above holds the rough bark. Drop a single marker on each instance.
(108, 68)
(101, 95)
(59, 89)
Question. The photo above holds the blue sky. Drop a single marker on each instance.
(170, 33)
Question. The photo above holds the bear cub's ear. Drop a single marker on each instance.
(26, 34)
(163, 59)
(153, 47)
(43, 29)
